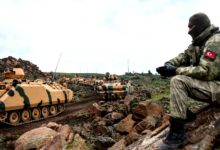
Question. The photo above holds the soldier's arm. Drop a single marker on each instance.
(209, 66)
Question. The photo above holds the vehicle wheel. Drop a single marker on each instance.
(35, 113)
(45, 112)
(25, 115)
(53, 110)
(60, 107)
(3, 116)
(14, 118)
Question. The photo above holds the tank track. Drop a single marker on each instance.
(21, 123)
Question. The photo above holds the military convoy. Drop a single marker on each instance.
(23, 101)
(110, 88)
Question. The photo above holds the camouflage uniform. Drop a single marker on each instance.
(198, 73)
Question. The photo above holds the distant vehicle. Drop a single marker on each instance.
(23, 101)
(110, 88)
(114, 90)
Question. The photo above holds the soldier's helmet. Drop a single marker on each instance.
(198, 23)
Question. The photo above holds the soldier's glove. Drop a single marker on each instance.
(167, 70)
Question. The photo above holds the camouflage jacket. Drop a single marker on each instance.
(201, 62)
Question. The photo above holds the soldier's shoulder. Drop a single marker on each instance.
(214, 41)
(214, 38)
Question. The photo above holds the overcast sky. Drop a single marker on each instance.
(98, 36)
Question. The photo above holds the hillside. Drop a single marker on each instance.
(31, 70)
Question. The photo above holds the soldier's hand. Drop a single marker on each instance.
(167, 70)
(161, 70)
(171, 69)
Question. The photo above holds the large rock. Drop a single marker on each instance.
(66, 133)
(35, 139)
(149, 123)
(120, 145)
(95, 110)
(54, 143)
(131, 137)
(125, 125)
(116, 116)
(51, 136)
(147, 108)
(78, 143)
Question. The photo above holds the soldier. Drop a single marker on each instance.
(196, 74)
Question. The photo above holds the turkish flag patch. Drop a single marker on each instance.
(210, 54)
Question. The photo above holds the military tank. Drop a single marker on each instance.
(23, 101)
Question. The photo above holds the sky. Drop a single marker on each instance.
(98, 36)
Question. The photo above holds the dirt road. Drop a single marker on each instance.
(70, 112)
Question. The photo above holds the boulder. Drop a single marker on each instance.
(35, 139)
(144, 109)
(148, 123)
(120, 145)
(77, 144)
(66, 132)
(51, 136)
(54, 143)
(125, 125)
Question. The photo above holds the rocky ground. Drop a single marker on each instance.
(118, 125)
(138, 122)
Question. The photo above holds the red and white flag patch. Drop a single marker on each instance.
(210, 54)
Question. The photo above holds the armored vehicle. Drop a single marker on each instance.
(23, 101)
(114, 90)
